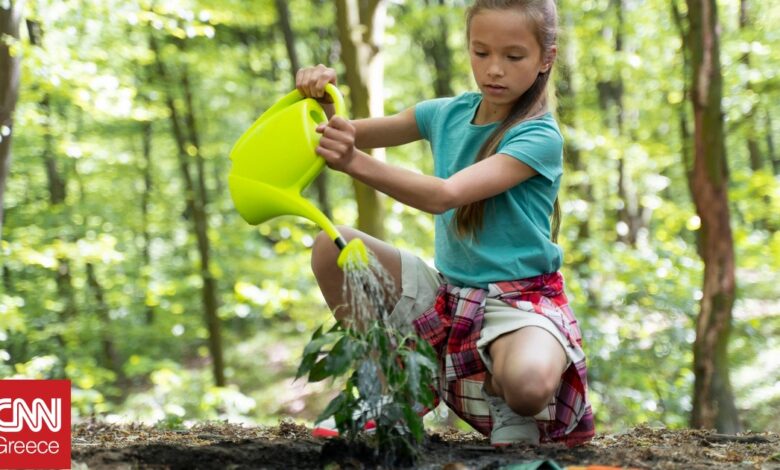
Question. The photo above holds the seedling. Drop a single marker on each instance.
(391, 375)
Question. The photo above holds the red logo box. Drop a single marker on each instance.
(34, 424)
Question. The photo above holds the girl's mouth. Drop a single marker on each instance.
(495, 88)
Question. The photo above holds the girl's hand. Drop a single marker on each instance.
(337, 144)
(311, 81)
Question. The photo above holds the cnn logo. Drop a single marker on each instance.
(35, 416)
(34, 424)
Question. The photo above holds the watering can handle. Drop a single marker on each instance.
(338, 100)
(295, 96)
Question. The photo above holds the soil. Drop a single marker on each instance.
(290, 446)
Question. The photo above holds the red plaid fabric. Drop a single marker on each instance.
(453, 326)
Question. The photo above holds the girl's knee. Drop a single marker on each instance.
(324, 252)
(529, 390)
(323, 255)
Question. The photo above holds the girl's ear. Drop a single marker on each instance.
(549, 59)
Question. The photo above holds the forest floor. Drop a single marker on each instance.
(290, 446)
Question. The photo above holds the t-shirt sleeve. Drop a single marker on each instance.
(425, 112)
(538, 144)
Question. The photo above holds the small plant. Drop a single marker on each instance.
(391, 379)
(171, 422)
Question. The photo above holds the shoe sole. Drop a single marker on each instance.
(499, 445)
(370, 427)
(327, 433)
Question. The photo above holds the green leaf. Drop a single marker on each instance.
(426, 396)
(316, 345)
(317, 333)
(412, 368)
(313, 350)
(341, 357)
(413, 421)
(368, 384)
(333, 407)
(319, 371)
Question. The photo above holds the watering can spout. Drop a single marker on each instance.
(258, 202)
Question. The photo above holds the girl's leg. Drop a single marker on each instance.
(331, 278)
(527, 368)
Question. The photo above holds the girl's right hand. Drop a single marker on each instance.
(311, 81)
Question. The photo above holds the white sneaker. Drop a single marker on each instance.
(509, 427)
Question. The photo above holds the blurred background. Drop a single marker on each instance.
(126, 269)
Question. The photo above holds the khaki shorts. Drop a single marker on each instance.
(419, 284)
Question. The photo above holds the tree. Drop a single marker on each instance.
(770, 145)
(187, 140)
(713, 399)
(283, 10)
(10, 16)
(432, 31)
(567, 93)
(611, 92)
(361, 27)
(756, 159)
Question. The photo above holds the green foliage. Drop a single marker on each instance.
(391, 376)
(170, 423)
(89, 90)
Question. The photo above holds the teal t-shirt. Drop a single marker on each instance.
(514, 242)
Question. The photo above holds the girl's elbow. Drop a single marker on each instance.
(436, 209)
(433, 205)
(444, 200)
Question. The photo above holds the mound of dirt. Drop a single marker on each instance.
(290, 446)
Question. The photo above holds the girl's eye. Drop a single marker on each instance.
(480, 54)
(515, 58)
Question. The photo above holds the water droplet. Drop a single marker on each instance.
(368, 287)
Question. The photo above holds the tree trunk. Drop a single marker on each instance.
(361, 27)
(611, 99)
(111, 359)
(146, 133)
(10, 17)
(582, 191)
(770, 145)
(320, 183)
(438, 53)
(57, 195)
(713, 400)
(756, 160)
(195, 196)
(210, 288)
(684, 125)
(289, 36)
(57, 186)
(567, 113)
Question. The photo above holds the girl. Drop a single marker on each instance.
(511, 362)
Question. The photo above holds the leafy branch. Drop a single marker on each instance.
(390, 383)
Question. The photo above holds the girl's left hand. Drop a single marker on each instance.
(337, 145)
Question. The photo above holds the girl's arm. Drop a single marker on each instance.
(380, 132)
(481, 180)
(387, 131)
(369, 133)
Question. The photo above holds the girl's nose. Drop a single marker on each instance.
(494, 70)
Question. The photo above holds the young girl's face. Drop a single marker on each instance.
(505, 57)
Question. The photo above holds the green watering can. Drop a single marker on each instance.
(275, 160)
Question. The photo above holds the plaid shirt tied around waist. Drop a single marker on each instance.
(453, 327)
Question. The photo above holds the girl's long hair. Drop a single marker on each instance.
(543, 16)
